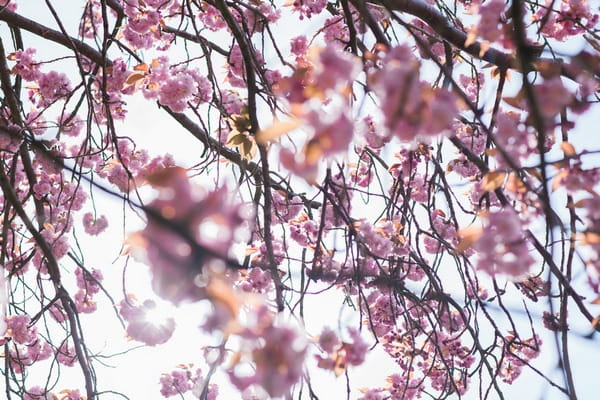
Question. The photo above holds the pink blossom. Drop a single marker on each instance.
(501, 247)
(39, 350)
(341, 354)
(517, 354)
(304, 232)
(332, 135)
(555, 97)
(573, 18)
(84, 302)
(299, 45)
(278, 356)
(26, 66)
(177, 382)
(285, 209)
(335, 30)
(328, 340)
(373, 394)
(258, 281)
(65, 355)
(38, 393)
(52, 86)
(94, 226)
(490, 24)
(142, 325)
(19, 329)
(308, 8)
(210, 219)
(298, 165)
(336, 67)
(211, 18)
(412, 109)
(176, 91)
(89, 281)
(73, 395)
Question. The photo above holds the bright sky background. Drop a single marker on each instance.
(137, 372)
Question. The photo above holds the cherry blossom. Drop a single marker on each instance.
(428, 171)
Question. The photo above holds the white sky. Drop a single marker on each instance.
(137, 373)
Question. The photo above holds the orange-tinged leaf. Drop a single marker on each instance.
(468, 237)
(491, 152)
(142, 67)
(547, 69)
(235, 138)
(535, 173)
(485, 46)
(596, 301)
(559, 178)
(591, 238)
(595, 323)
(515, 101)
(493, 180)
(164, 176)
(568, 149)
(49, 226)
(340, 362)
(221, 292)
(580, 203)
(235, 359)
(134, 77)
(497, 73)
(132, 243)
(515, 184)
(248, 148)
(313, 152)
(277, 129)
(471, 37)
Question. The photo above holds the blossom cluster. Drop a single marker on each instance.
(183, 380)
(187, 230)
(143, 325)
(502, 247)
(356, 188)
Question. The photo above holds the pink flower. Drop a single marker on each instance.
(65, 355)
(328, 340)
(73, 395)
(94, 226)
(278, 355)
(143, 325)
(309, 8)
(38, 393)
(211, 18)
(411, 107)
(258, 281)
(517, 354)
(177, 382)
(555, 97)
(40, 350)
(341, 355)
(52, 86)
(336, 67)
(299, 45)
(502, 247)
(19, 329)
(202, 227)
(490, 24)
(26, 65)
(84, 302)
(89, 281)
